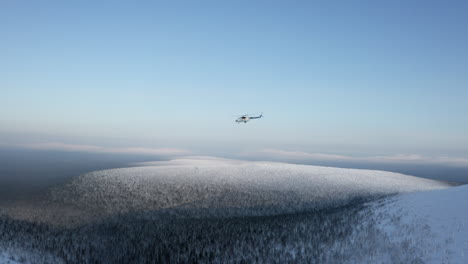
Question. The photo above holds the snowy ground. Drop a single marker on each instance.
(19, 256)
(434, 222)
(7, 258)
(404, 219)
(206, 186)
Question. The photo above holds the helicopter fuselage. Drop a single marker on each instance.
(244, 119)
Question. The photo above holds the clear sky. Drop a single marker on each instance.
(337, 77)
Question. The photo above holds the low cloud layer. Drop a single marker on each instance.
(99, 149)
(277, 154)
(400, 158)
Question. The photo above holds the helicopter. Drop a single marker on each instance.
(247, 118)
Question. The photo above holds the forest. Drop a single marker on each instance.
(318, 236)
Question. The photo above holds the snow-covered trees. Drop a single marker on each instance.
(215, 211)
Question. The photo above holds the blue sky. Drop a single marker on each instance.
(358, 78)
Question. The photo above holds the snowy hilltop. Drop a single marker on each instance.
(207, 186)
(211, 210)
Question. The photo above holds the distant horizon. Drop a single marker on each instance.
(31, 161)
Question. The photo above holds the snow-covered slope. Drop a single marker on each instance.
(433, 224)
(17, 256)
(204, 186)
(8, 259)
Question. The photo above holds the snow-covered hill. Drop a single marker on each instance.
(120, 216)
(432, 224)
(206, 186)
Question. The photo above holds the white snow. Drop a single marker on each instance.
(17, 256)
(434, 222)
(427, 222)
(8, 259)
(215, 186)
